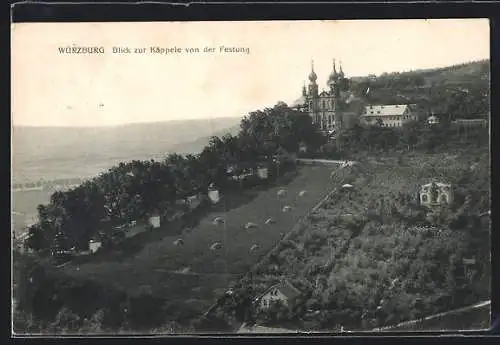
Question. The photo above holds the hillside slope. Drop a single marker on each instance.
(460, 91)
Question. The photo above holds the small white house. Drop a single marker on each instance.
(154, 221)
(194, 201)
(302, 148)
(283, 292)
(214, 196)
(94, 246)
(262, 173)
(432, 120)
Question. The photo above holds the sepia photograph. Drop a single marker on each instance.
(183, 178)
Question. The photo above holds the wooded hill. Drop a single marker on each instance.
(460, 91)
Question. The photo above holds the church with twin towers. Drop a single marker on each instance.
(329, 108)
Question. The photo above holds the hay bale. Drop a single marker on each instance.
(302, 193)
(250, 225)
(179, 242)
(254, 247)
(215, 246)
(218, 220)
(270, 221)
(287, 208)
(281, 193)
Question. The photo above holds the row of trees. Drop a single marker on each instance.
(130, 191)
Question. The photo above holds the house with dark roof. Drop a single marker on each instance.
(283, 292)
(394, 115)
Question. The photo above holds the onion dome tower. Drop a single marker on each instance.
(333, 78)
(313, 87)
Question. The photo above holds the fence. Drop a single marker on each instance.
(431, 317)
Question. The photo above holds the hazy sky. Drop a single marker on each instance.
(54, 89)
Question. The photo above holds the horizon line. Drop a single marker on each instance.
(127, 123)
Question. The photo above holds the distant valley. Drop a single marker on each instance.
(57, 153)
(51, 153)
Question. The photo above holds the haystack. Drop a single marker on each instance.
(218, 220)
(216, 245)
(281, 193)
(270, 221)
(250, 225)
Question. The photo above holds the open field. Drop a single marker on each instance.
(369, 256)
(192, 272)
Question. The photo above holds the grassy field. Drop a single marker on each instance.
(194, 274)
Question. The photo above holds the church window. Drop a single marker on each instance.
(444, 198)
(424, 198)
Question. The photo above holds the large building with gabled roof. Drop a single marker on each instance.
(392, 115)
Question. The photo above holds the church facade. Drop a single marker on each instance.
(328, 108)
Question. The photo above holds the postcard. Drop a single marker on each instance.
(250, 177)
